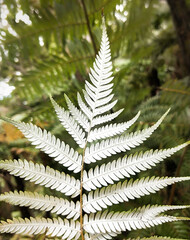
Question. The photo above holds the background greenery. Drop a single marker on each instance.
(48, 46)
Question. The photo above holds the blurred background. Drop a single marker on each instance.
(48, 46)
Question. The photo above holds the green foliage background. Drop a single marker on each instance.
(148, 76)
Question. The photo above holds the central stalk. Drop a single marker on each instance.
(81, 186)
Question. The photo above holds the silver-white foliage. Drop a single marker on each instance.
(111, 146)
(70, 124)
(121, 221)
(111, 130)
(44, 203)
(53, 227)
(123, 192)
(125, 167)
(105, 118)
(82, 123)
(51, 145)
(78, 115)
(44, 176)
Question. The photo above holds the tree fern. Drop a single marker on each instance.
(97, 143)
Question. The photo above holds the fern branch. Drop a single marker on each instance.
(112, 146)
(50, 145)
(122, 221)
(70, 125)
(122, 192)
(105, 118)
(83, 107)
(53, 227)
(121, 168)
(43, 203)
(111, 130)
(47, 177)
(77, 114)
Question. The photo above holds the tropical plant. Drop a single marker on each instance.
(96, 143)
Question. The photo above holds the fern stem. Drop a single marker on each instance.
(174, 90)
(81, 185)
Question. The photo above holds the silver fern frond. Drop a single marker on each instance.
(123, 192)
(125, 167)
(70, 124)
(111, 146)
(97, 143)
(121, 221)
(44, 203)
(53, 227)
(77, 114)
(111, 130)
(105, 118)
(51, 145)
(44, 176)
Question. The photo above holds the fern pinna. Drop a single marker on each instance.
(100, 187)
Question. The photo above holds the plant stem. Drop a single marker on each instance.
(88, 25)
(174, 90)
(81, 186)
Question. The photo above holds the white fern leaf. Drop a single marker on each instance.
(124, 167)
(77, 114)
(48, 143)
(105, 108)
(122, 192)
(70, 124)
(98, 93)
(152, 211)
(111, 130)
(122, 221)
(47, 177)
(83, 107)
(43, 203)
(112, 146)
(105, 118)
(53, 227)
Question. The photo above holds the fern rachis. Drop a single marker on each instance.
(102, 182)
